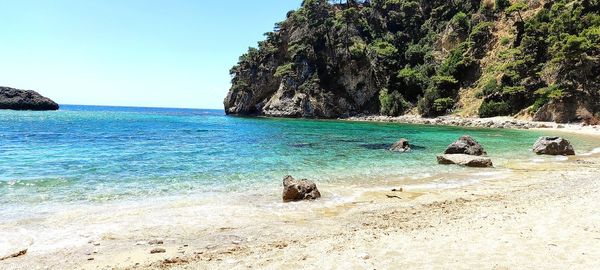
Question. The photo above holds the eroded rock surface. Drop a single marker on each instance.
(466, 145)
(298, 190)
(555, 146)
(465, 160)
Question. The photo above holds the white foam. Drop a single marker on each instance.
(594, 151)
(561, 158)
(446, 184)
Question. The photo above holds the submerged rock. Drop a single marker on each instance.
(16, 99)
(466, 145)
(553, 146)
(465, 160)
(297, 190)
(401, 146)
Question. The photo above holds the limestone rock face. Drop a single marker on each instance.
(466, 145)
(465, 160)
(16, 99)
(298, 190)
(555, 146)
(401, 146)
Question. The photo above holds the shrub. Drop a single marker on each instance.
(494, 108)
(412, 81)
(502, 5)
(445, 85)
(480, 36)
(460, 21)
(284, 70)
(431, 104)
(490, 87)
(384, 48)
(358, 48)
(443, 105)
(392, 104)
(545, 95)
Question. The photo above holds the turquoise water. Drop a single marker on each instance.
(96, 154)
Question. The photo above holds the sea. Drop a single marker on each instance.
(97, 155)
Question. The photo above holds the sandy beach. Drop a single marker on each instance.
(538, 213)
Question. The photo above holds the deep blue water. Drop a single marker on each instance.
(92, 153)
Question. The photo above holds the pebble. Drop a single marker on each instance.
(156, 242)
(364, 256)
(158, 250)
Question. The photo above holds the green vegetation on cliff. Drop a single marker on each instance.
(339, 58)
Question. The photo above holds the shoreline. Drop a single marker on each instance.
(375, 229)
(509, 215)
(494, 122)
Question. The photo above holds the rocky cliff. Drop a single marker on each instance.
(16, 99)
(535, 59)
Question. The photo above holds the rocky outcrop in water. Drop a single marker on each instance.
(466, 145)
(555, 146)
(401, 146)
(16, 99)
(465, 152)
(465, 160)
(298, 190)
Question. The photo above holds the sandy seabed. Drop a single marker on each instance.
(530, 214)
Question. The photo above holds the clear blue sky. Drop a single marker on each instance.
(165, 53)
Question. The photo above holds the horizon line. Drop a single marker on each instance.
(138, 106)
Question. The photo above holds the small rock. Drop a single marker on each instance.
(553, 146)
(466, 145)
(364, 256)
(90, 259)
(158, 250)
(156, 242)
(465, 160)
(294, 190)
(401, 146)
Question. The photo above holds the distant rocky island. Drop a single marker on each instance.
(535, 59)
(22, 100)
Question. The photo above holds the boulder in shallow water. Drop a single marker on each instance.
(465, 160)
(298, 190)
(466, 145)
(555, 146)
(401, 146)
